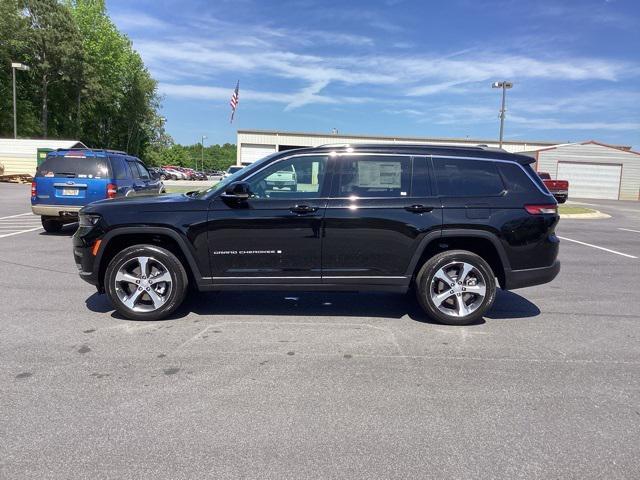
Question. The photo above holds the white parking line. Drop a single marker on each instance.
(596, 246)
(18, 215)
(629, 230)
(19, 232)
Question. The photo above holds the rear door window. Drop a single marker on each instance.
(120, 169)
(74, 167)
(373, 176)
(457, 177)
(135, 173)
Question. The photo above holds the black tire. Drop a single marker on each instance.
(562, 200)
(175, 268)
(425, 277)
(50, 225)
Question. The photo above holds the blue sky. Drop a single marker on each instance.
(418, 68)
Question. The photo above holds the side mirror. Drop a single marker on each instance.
(237, 191)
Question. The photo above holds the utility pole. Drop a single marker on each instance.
(504, 85)
(23, 67)
(202, 159)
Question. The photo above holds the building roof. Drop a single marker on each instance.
(29, 147)
(466, 151)
(397, 138)
(622, 148)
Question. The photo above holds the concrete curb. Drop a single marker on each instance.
(595, 215)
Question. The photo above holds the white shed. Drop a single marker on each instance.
(594, 170)
(20, 156)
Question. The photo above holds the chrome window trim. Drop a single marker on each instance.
(378, 154)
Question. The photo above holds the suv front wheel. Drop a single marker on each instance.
(145, 282)
(456, 287)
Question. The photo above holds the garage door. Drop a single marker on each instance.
(249, 153)
(588, 180)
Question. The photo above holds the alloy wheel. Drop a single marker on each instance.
(458, 289)
(143, 284)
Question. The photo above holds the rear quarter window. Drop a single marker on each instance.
(74, 167)
(457, 177)
(515, 178)
(534, 175)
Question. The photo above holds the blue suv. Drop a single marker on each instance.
(69, 179)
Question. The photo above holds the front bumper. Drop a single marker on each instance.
(531, 276)
(85, 260)
(56, 210)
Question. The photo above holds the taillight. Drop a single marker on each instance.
(34, 190)
(541, 209)
(112, 190)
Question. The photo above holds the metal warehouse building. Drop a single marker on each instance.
(20, 156)
(594, 170)
(255, 144)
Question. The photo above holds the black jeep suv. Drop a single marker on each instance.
(449, 222)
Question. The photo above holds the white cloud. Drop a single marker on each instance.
(200, 54)
(557, 124)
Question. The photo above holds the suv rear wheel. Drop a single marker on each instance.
(456, 287)
(145, 282)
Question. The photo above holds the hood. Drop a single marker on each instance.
(166, 202)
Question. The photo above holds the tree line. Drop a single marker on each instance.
(85, 82)
(216, 157)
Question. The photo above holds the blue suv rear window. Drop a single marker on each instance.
(70, 167)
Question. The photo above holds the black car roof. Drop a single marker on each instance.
(479, 152)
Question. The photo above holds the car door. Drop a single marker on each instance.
(274, 236)
(138, 184)
(381, 208)
(151, 184)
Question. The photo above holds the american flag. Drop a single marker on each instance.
(235, 98)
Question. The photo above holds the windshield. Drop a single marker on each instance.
(74, 167)
(233, 177)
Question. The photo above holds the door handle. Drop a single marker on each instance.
(303, 209)
(418, 208)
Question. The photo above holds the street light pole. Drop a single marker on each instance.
(14, 66)
(504, 85)
(202, 159)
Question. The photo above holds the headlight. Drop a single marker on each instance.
(87, 220)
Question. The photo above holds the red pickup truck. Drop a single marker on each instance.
(558, 188)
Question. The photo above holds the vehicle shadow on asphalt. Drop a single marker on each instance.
(67, 231)
(508, 305)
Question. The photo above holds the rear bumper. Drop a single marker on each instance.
(531, 276)
(56, 210)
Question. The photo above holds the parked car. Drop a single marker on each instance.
(450, 223)
(283, 179)
(158, 172)
(215, 175)
(231, 170)
(69, 179)
(558, 188)
(174, 174)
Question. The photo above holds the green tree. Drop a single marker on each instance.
(53, 49)
(117, 93)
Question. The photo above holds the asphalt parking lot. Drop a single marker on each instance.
(321, 385)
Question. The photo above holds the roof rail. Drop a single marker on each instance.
(414, 145)
(106, 150)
